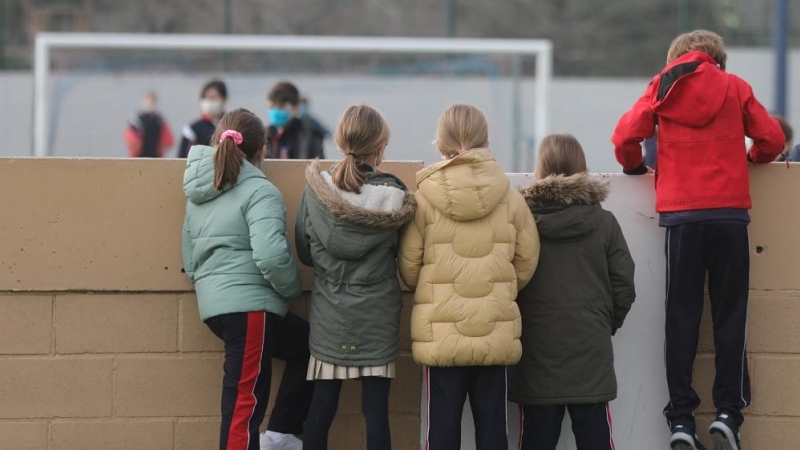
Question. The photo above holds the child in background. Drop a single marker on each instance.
(788, 153)
(578, 298)
(236, 253)
(702, 194)
(471, 248)
(148, 134)
(288, 136)
(213, 97)
(348, 229)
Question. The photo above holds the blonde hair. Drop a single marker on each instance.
(560, 154)
(461, 128)
(698, 40)
(362, 131)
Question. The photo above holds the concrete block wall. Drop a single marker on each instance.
(101, 345)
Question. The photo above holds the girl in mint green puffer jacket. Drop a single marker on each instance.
(236, 253)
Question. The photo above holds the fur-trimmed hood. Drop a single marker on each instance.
(386, 206)
(350, 224)
(566, 207)
(579, 189)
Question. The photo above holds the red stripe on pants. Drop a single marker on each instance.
(239, 433)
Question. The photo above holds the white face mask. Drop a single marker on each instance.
(148, 106)
(211, 107)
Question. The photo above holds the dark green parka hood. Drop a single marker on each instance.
(351, 240)
(578, 297)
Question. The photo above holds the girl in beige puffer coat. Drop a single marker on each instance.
(472, 246)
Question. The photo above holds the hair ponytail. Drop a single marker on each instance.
(227, 163)
(362, 131)
(239, 136)
(347, 176)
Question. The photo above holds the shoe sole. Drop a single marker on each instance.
(721, 441)
(682, 446)
(680, 441)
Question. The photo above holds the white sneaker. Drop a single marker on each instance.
(271, 440)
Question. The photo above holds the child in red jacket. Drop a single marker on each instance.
(702, 194)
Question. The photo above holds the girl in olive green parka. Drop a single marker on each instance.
(348, 229)
(577, 299)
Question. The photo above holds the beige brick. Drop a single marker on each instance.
(776, 387)
(405, 321)
(769, 316)
(116, 435)
(23, 435)
(25, 324)
(116, 323)
(406, 392)
(197, 434)
(347, 432)
(74, 387)
(194, 334)
(703, 381)
(405, 431)
(168, 386)
(706, 342)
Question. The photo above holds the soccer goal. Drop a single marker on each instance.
(409, 79)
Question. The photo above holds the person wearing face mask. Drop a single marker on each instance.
(213, 97)
(148, 135)
(290, 137)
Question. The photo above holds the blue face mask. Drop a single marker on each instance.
(279, 117)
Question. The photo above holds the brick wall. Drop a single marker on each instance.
(101, 345)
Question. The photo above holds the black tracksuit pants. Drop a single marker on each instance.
(722, 250)
(447, 390)
(541, 426)
(251, 341)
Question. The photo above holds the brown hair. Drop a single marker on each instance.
(461, 128)
(284, 92)
(228, 157)
(560, 154)
(788, 131)
(698, 40)
(362, 131)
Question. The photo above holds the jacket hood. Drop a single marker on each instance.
(198, 178)
(350, 224)
(566, 207)
(467, 187)
(691, 90)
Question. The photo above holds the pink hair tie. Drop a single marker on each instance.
(233, 134)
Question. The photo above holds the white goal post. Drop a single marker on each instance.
(542, 50)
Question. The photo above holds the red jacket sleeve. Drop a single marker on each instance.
(764, 130)
(133, 140)
(165, 140)
(633, 127)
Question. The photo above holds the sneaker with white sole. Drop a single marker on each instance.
(271, 440)
(725, 432)
(684, 437)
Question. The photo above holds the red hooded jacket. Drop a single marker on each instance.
(703, 115)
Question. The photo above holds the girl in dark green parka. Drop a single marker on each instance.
(578, 298)
(348, 229)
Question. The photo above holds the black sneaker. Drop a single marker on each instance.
(725, 432)
(684, 437)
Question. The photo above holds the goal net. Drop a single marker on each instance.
(88, 86)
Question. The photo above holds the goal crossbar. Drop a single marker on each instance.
(45, 42)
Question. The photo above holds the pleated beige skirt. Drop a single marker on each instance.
(321, 370)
